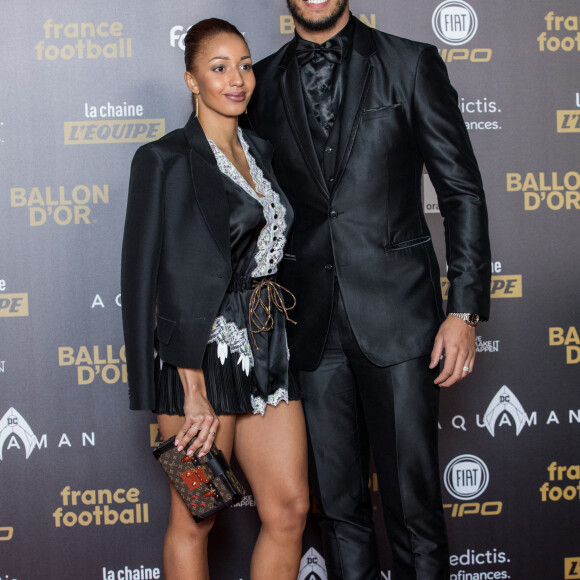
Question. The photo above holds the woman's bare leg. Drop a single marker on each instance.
(271, 450)
(185, 545)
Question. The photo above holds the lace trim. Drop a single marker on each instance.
(271, 240)
(259, 405)
(228, 336)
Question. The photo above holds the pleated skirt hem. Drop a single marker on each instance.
(229, 388)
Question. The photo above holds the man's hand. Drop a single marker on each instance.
(455, 340)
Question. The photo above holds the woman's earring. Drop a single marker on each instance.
(196, 107)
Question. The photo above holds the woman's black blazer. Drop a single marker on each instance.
(176, 263)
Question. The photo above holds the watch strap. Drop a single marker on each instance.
(467, 317)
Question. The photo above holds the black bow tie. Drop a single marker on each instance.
(331, 50)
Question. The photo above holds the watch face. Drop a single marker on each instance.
(473, 319)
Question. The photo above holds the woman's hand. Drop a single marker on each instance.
(200, 418)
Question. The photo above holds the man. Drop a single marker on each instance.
(353, 115)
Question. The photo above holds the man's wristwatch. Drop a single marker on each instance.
(471, 319)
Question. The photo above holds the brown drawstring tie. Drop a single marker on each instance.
(274, 298)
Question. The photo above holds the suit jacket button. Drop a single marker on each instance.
(328, 267)
(333, 214)
(331, 179)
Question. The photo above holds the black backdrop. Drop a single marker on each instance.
(83, 84)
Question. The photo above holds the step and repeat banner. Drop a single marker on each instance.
(83, 85)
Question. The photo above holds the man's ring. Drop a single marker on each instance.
(465, 369)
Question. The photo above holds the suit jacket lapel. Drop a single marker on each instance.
(208, 187)
(261, 150)
(295, 108)
(360, 72)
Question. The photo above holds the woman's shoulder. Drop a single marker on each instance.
(173, 142)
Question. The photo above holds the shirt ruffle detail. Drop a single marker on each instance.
(272, 239)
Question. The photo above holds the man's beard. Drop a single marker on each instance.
(317, 25)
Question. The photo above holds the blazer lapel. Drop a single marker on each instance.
(208, 187)
(360, 72)
(261, 150)
(295, 108)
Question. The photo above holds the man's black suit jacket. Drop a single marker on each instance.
(364, 223)
(176, 261)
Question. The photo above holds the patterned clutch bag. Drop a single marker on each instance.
(207, 484)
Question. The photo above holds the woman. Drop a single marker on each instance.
(204, 235)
